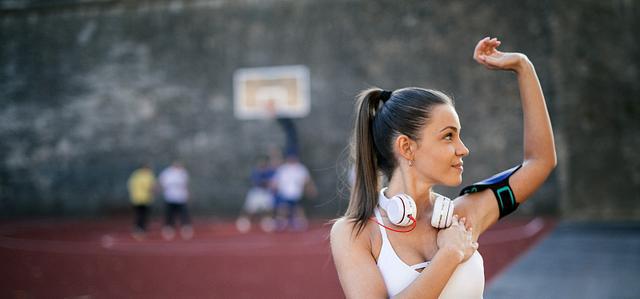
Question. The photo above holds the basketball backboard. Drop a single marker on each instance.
(267, 91)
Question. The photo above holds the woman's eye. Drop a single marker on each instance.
(448, 136)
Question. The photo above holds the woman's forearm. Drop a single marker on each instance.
(538, 135)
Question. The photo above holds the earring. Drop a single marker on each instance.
(410, 163)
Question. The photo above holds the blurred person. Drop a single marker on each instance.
(175, 186)
(412, 137)
(291, 147)
(290, 182)
(288, 127)
(141, 185)
(260, 199)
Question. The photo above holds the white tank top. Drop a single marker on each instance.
(466, 282)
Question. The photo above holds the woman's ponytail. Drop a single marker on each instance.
(364, 194)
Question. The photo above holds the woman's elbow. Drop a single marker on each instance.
(551, 161)
(549, 164)
(543, 165)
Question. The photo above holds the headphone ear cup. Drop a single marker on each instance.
(395, 211)
(442, 216)
(399, 209)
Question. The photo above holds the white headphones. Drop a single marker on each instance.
(442, 212)
(401, 206)
(398, 208)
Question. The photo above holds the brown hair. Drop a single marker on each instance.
(379, 120)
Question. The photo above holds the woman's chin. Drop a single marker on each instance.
(453, 182)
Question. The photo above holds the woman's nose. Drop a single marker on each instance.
(462, 150)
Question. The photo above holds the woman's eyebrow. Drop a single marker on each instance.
(450, 127)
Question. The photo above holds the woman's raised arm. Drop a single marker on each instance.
(539, 149)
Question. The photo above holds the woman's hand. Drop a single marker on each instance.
(487, 54)
(457, 238)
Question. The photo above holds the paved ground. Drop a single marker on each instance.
(99, 259)
(577, 260)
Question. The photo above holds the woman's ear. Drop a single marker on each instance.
(405, 147)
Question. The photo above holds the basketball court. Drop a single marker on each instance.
(100, 259)
(577, 260)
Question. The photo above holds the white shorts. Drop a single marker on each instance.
(258, 200)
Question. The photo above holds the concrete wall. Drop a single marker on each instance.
(596, 65)
(89, 89)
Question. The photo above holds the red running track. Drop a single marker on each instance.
(99, 259)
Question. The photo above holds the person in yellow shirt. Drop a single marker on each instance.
(141, 185)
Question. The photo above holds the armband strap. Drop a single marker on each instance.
(499, 184)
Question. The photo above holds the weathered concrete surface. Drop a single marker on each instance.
(91, 88)
(596, 65)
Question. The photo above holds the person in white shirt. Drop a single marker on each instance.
(290, 182)
(175, 186)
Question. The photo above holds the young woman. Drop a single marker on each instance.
(412, 137)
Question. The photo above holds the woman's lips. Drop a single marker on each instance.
(458, 167)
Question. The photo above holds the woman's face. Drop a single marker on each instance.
(438, 158)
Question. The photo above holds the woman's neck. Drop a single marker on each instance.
(408, 183)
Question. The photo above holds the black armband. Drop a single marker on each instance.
(499, 184)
